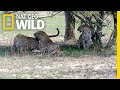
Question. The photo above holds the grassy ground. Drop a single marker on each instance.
(70, 63)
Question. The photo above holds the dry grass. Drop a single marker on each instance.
(83, 67)
(72, 63)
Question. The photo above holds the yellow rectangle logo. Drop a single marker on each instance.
(5, 21)
(118, 45)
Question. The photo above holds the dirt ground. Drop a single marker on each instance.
(60, 67)
(35, 67)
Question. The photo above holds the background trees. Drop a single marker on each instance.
(70, 25)
(95, 19)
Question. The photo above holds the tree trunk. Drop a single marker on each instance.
(112, 40)
(70, 26)
(99, 29)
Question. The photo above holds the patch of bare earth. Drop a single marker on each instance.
(83, 67)
(37, 67)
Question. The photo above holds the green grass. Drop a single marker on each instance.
(71, 62)
(50, 28)
(3, 50)
(75, 52)
(70, 51)
(50, 24)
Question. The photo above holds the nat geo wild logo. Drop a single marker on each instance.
(22, 21)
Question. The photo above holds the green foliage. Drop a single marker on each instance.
(75, 52)
(50, 24)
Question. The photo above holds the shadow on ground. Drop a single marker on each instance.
(70, 51)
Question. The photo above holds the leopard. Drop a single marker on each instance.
(45, 44)
(24, 43)
(41, 41)
(85, 37)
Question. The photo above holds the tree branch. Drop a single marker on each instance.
(103, 22)
(51, 15)
(90, 23)
(25, 11)
(86, 21)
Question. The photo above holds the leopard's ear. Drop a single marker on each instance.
(35, 34)
(82, 31)
(36, 37)
(79, 30)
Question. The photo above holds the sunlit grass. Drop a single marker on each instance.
(51, 24)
